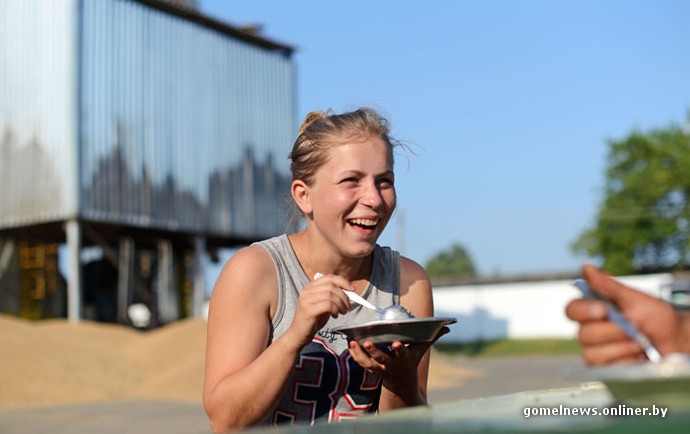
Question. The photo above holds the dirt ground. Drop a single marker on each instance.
(53, 362)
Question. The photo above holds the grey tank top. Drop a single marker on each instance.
(326, 383)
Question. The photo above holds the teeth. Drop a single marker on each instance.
(363, 222)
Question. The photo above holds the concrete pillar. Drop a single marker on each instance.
(74, 280)
(165, 287)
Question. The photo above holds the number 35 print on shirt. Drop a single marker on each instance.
(329, 385)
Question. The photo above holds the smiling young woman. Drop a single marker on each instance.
(271, 355)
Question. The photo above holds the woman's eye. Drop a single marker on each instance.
(387, 182)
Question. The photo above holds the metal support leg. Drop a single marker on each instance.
(198, 295)
(125, 278)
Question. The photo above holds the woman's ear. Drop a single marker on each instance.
(301, 195)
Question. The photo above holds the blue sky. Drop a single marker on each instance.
(508, 106)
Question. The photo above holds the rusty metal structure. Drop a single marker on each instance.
(136, 139)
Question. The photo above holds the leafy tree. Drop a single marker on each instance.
(643, 223)
(453, 262)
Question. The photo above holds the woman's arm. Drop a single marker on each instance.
(405, 370)
(244, 378)
(238, 392)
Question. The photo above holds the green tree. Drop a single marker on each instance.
(453, 262)
(643, 223)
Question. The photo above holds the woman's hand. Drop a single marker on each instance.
(318, 301)
(396, 365)
(603, 341)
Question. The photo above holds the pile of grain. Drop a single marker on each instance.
(56, 362)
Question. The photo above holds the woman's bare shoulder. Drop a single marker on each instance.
(412, 273)
(415, 288)
(248, 272)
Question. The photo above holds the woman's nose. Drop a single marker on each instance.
(371, 196)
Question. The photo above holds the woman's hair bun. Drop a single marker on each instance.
(312, 117)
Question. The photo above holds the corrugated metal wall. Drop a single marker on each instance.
(180, 127)
(37, 111)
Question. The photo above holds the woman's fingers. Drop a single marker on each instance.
(325, 295)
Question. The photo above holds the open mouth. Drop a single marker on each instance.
(364, 223)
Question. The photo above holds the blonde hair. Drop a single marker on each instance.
(322, 130)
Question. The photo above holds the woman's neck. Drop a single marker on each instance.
(328, 260)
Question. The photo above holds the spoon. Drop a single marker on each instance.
(394, 311)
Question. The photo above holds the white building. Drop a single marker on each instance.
(519, 310)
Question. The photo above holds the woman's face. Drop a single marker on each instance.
(352, 195)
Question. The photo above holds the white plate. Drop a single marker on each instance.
(404, 330)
